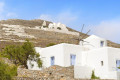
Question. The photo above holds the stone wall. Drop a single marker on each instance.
(51, 73)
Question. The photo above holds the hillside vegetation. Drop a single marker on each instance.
(15, 31)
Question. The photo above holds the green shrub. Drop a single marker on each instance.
(50, 44)
(20, 54)
(93, 76)
(7, 72)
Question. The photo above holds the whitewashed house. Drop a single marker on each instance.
(93, 54)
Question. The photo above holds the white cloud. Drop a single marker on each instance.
(63, 17)
(108, 29)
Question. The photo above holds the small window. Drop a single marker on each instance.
(52, 60)
(101, 63)
(73, 58)
(102, 43)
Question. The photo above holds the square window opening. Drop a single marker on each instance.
(52, 60)
(102, 43)
(102, 63)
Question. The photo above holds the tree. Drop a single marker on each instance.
(7, 72)
(21, 54)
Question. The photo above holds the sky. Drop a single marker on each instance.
(102, 17)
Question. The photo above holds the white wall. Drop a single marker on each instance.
(46, 54)
(82, 72)
(56, 51)
(71, 49)
(113, 55)
(93, 59)
(62, 54)
(118, 75)
(93, 42)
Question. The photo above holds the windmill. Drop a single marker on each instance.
(81, 38)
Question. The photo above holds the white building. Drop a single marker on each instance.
(53, 26)
(57, 26)
(44, 25)
(94, 54)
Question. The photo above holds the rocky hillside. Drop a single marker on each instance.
(15, 31)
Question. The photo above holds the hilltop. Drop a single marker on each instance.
(15, 31)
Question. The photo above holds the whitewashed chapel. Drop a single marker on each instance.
(93, 54)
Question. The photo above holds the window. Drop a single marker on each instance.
(72, 58)
(101, 63)
(118, 65)
(59, 28)
(52, 60)
(102, 43)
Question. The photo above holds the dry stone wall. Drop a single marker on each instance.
(51, 73)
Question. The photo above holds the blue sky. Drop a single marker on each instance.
(101, 16)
